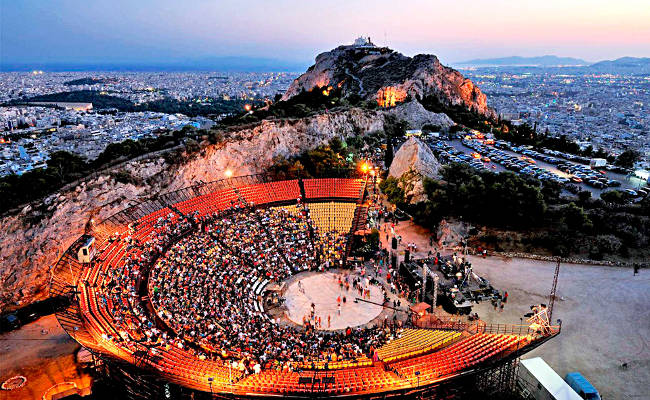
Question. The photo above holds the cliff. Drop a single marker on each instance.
(414, 161)
(31, 244)
(390, 78)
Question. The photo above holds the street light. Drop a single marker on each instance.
(228, 173)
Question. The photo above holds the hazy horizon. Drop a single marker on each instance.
(163, 32)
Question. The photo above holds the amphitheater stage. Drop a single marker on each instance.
(322, 289)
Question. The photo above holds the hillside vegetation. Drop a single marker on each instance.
(522, 214)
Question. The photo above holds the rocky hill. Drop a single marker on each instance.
(31, 244)
(414, 161)
(389, 78)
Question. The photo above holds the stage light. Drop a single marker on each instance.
(228, 173)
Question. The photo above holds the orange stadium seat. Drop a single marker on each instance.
(334, 187)
(463, 354)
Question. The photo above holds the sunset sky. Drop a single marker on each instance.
(148, 31)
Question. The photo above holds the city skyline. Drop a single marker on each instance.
(164, 32)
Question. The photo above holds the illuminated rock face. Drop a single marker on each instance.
(390, 96)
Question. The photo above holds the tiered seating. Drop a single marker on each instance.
(191, 370)
(146, 224)
(114, 317)
(414, 342)
(255, 194)
(209, 203)
(463, 354)
(292, 208)
(283, 190)
(358, 380)
(329, 217)
(333, 187)
(359, 362)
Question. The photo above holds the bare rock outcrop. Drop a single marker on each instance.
(388, 77)
(414, 161)
(450, 234)
(418, 116)
(34, 239)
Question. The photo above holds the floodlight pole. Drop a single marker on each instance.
(436, 278)
(424, 281)
(551, 300)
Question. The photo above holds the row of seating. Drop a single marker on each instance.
(329, 217)
(334, 187)
(461, 355)
(415, 341)
(269, 192)
(260, 193)
(209, 203)
(356, 380)
(359, 362)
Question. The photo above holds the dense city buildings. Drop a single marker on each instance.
(611, 112)
(32, 131)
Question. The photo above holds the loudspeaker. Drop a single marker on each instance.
(394, 243)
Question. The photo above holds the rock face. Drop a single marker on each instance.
(451, 234)
(30, 246)
(389, 77)
(414, 161)
(417, 116)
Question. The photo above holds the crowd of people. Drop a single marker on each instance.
(201, 289)
(119, 288)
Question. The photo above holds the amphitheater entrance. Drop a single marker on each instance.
(323, 290)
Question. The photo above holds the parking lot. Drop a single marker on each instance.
(502, 156)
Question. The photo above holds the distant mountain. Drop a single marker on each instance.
(624, 62)
(637, 65)
(541, 61)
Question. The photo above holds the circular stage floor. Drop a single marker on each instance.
(322, 289)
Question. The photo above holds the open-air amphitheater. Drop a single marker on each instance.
(170, 301)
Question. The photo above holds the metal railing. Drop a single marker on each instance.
(472, 327)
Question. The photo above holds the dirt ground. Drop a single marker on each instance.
(44, 354)
(605, 319)
(605, 313)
